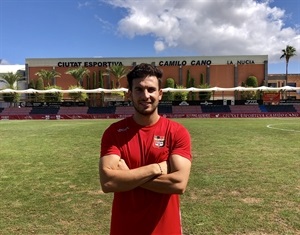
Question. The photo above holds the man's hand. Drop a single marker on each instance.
(164, 167)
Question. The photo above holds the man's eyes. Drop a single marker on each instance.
(150, 90)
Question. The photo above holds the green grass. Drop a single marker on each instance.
(245, 177)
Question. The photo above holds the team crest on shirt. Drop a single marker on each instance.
(159, 141)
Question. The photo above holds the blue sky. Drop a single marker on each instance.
(154, 28)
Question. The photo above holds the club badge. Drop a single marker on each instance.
(159, 141)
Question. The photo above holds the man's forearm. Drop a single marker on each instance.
(170, 184)
(113, 180)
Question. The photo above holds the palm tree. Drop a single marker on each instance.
(12, 82)
(288, 53)
(12, 79)
(48, 75)
(78, 74)
(119, 72)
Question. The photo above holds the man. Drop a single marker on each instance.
(145, 161)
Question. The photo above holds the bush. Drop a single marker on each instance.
(53, 97)
(31, 85)
(180, 95)
(79, 96)
(118, 95)
(11, 97)
(40, 86)
(169, 95)
(251, 81)
(248, 95)
(204, 95)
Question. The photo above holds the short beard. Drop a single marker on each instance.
(143, 112)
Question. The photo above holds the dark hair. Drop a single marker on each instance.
(143, 70)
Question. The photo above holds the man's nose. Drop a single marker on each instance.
(146, 94)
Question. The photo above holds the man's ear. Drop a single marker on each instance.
(128, 95)
(160, 94)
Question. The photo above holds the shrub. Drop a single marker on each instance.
(203, 95)
(39, 85)
(53, 97)
(79, 96)
(180, 95)
(31, 97)
(169, 95)
(11, 97)
(251, 81)
(118, 95)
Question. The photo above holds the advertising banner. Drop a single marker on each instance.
(271, 98)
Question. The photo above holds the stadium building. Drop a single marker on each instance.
(216, 71)
(222, 72)
(219, 71)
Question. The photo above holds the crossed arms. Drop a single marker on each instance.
(115, 176)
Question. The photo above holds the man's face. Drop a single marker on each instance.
(145, 95)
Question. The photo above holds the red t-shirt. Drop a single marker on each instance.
(140, 211)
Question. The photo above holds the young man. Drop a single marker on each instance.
(145, 161)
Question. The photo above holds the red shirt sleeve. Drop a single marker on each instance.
(109, 143)
(182, 142)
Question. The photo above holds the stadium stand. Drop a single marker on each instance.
(44, 110)
(186, 109)
(215, 108)
(11, 111)
(245, 109)
(76, 112)
(73, 110)
(164, 109)
(101, 110)
(124, 110)
(263, 108)
(280, 108)
(297, 107)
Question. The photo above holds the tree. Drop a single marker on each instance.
(190, 82)
(48, 75)
(204, 95)
(288, 53)
(39, 85)
(119, 72)
(169, 95)
(12, 79)
(12, 82)
(31, 96)
(101, 82)
(251, 81)
(188, 79)
(78, 74)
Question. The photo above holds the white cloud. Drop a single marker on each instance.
(159, 45)
(84, 4)
(105, 25)
(4, 62)
(219, 27)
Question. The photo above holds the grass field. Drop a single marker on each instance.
(245, 177)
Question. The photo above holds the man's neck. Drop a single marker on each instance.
(146, 120)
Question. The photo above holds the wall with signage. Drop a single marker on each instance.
(222, 71)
